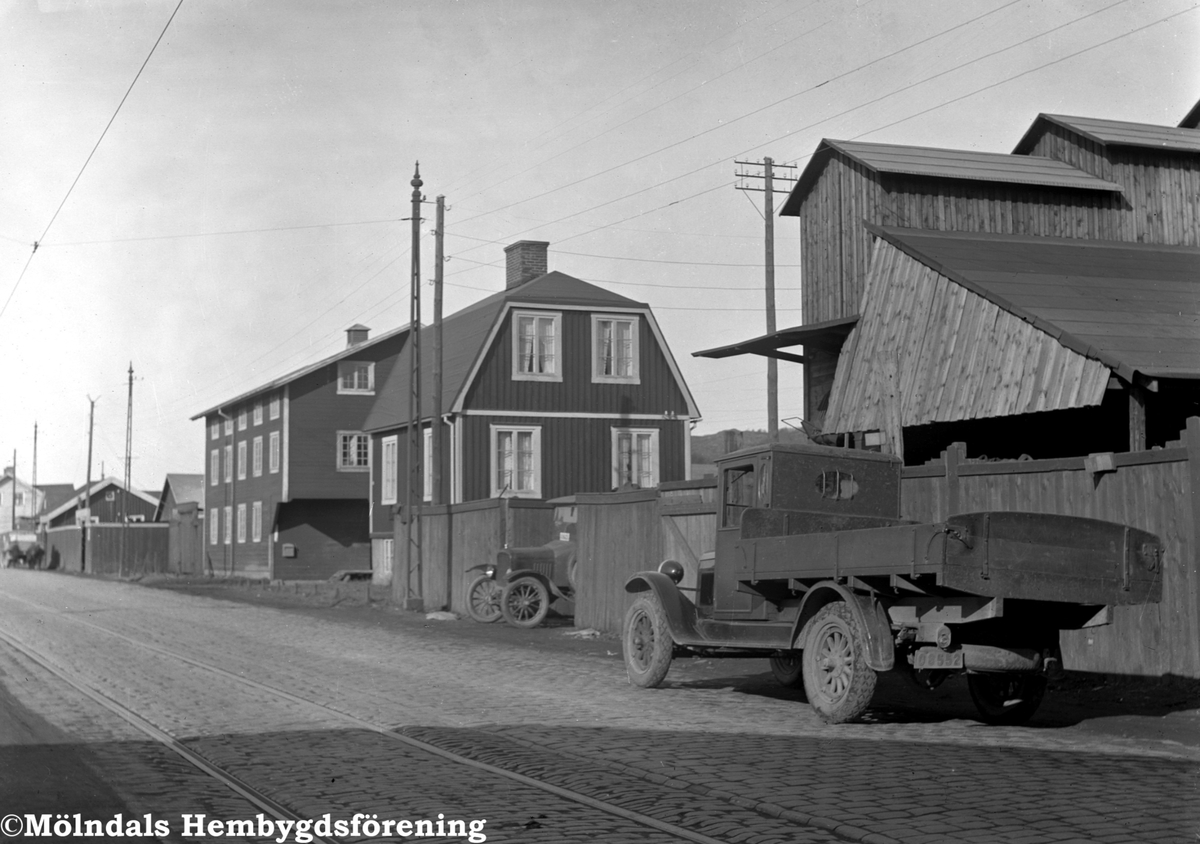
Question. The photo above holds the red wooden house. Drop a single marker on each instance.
(552, 386)
(287, 469)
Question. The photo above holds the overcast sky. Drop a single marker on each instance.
(244, 207)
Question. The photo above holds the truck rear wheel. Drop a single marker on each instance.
(788, 670)
(647, 642)
(483, 599)
(837, 681)
(1006, 699)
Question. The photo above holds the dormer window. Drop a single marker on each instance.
(614, 350)
(536, 346)
(356, 378)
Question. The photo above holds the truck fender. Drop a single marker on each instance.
(681, 612)
(870, 614)
(522, 574)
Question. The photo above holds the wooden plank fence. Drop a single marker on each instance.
(139, 548)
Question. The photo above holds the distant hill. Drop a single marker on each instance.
(708, 447)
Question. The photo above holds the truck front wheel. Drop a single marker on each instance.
(1006, 699)
(837, 681)
(647, 642)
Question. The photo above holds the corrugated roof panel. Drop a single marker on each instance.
(1122, 133)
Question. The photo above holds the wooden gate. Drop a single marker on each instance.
(186, 540)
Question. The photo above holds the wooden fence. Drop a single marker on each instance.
(620, 533)
(456, 537)
(138, 548)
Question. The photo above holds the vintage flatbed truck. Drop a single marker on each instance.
(814, 568)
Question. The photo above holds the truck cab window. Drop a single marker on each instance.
(739, 493)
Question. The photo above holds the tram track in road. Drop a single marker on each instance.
(276, 809)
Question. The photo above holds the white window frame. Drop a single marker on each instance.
(241, 524)
(555, 319)
(229, 426)
(258, 412)
(598, 376)
(273, 453)
(256, 458)
(229, 463)
(228, 524)
(242, 419)
(214, 526)
(427, 463)
(214, 467)
(273, 407)
(241, 463)
(345, 368)
(355, 467)
(535, 490)
(256, 522)
(656, 454)
(214, 430)
(389, 470)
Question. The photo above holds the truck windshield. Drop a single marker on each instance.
(740, 492)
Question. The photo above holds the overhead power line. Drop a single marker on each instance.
(79, 175)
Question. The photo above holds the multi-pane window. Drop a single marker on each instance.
(242, 460)
(256, 466)
(228, 427)
(214, 467)
(273, 408)
(241, 523)
(427, 463)
(273, 463)
(356, 377)
(228, 463)
(635, 457)
(256, 522)
(242, 420)
(258, 414)
(535, 346)
(389, 455)
(214, 526)
(614, 349)
(516, 461)
(354, 452)
(228, 525)
(214, 430)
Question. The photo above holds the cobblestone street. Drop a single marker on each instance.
(318, 712)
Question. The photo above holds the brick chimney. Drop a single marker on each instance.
(356, 334)
(526, 261)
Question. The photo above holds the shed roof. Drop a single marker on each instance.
(466, 335)
(1115, 133)
(185, 487)
(55, 494)
(1191, 120)
(1133, 306)
(827, 336)
(349, 351)
(938, 163)
(97, 487)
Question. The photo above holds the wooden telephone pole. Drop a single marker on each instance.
(768, 189)
(87, 490)
(416, 439)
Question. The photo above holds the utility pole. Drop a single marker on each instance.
(125, 492)
(37, 507)
(436, 438)
(416, 439)
(13, 525)
(768, 176)
(87, 490)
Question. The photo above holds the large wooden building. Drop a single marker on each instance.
(552, 386)
(287, 480)
(1009, 335)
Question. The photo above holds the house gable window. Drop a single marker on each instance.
(516, 462)
(274, 449)
(614, 350)
(389, 455)
(256, 466)
(635, 457)
(258, 412)
(536, 346)
(356, 378)
(273, 408)
(214, 467)
(354, 452)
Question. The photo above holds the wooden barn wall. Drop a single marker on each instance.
(1162, 188)
(457, 537)
(836, 247)
(955, 355)
(576, 453)
(622, 533)
(1149, 490)
(495, 389)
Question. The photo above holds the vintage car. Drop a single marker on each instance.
(815, 569)
(21, 548)
(523, 582)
